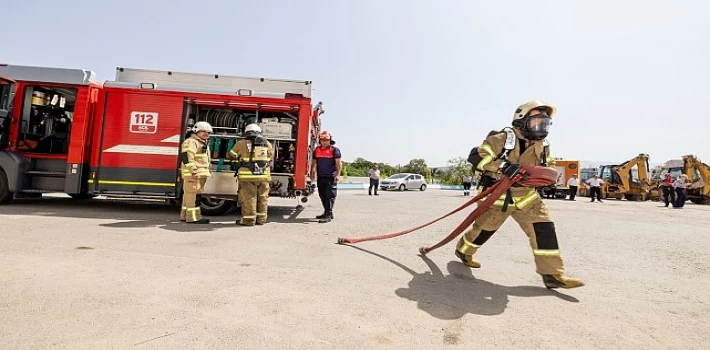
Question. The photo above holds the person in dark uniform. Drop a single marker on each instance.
(668, 190)
(326, 169)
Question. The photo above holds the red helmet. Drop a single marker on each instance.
(324, 135)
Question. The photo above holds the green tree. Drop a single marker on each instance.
(416, 166)
(361, 166)
(456, 169)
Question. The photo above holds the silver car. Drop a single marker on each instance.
(403, 182)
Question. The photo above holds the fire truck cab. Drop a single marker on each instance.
(62, 131)
(47, 115)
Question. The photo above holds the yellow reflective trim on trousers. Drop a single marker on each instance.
(546, 252)
(248, 216)
(193, 212)
(467, 246)
(260, 214)
(520, 202)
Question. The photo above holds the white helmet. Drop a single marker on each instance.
(525, 108)
(252, 128)
(202, 126)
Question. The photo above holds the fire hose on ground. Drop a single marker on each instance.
(527, 176)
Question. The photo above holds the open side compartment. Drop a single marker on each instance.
(228, 123)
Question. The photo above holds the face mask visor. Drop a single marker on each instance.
(537, 126)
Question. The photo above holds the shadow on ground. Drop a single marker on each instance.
(137, 214)
(451, 296)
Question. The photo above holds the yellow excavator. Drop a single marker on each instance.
(619, 181)
(699, 173)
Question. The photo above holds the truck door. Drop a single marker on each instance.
(561, 176)
(140, 140)
(7, 92)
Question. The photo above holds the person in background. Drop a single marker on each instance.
(596, 187)
(467, 180)
(573, 184)
(374, 174)
(326, 167)
(680, 184)
(668, 190)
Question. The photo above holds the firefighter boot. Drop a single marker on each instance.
(465, 251)
(561, 281)
(323, 216)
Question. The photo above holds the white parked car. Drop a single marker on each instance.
(403, 182)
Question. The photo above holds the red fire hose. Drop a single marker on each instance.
(529, 176)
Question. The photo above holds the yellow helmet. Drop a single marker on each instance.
(526, 107)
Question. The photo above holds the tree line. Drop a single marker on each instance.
(452, 174)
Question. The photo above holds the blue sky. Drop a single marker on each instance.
(404, 79)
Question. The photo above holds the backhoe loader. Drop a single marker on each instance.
(699, 173)
(619, 181)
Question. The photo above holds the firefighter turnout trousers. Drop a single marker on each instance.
(534, 219)
(190, 204)
(254, 196)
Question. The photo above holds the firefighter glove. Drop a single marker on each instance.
(510, 170)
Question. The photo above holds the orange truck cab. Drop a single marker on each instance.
(565, 169)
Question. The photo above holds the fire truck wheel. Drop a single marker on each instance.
(5, 194)
(216, 207)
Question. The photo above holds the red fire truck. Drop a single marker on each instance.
(62, 131)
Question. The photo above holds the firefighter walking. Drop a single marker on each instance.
(195, 170)
(503, 152)
(254, 155)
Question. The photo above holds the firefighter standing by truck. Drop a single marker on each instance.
(254, 155)
(195, 170)
(504, 152)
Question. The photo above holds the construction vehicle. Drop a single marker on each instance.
(565, 169)
(628, 180)
(62, 131)
(698, 173)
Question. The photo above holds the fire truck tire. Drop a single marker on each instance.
(216, 207)
(5, 194)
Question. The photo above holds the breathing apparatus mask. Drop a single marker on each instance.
(534, 127)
